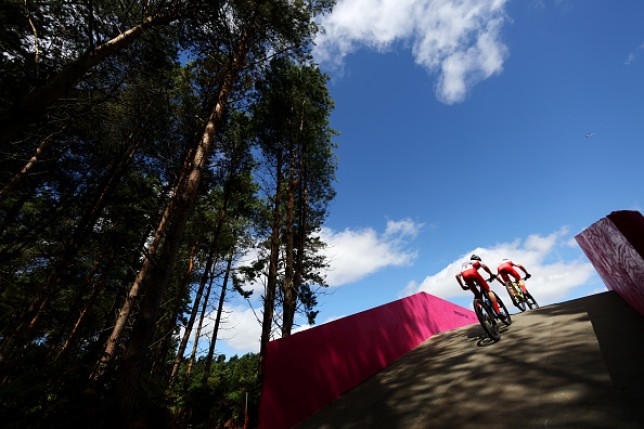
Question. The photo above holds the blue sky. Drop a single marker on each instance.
(489, 126)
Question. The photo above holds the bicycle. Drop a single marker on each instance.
(488, 317)
(522, 299)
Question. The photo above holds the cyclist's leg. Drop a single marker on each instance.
(473, 279)
(511, 292)
(507, 282)
(473, 288)
(517, 279)
(484, 286)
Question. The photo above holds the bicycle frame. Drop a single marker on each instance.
(489, 318)
(522, 300)
(517, 290)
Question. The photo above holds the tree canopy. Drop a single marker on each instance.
(144, 149)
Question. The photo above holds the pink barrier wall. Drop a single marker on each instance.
(308, 370)
(615, 246)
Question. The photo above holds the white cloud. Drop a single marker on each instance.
(399, 231)
(634, 54)
(240, 332)
(239, 329)
(358, 253)
(459, 41)
(306, 326)
(551, 280)
(355, 254)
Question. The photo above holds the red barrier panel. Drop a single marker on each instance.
(615, 246)
(306, 371)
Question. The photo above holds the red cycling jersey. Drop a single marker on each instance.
(471, 275)
(506, 269)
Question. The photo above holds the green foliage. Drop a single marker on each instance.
(222, 401)
(86, 180)
(291, 115)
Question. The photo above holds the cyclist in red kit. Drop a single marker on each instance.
(505, 270)
(469, 277)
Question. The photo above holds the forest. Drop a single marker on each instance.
(156, 158)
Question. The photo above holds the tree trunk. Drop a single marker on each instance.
(23, 331)
(160, 364)
(34, 104)
(17, 178)
(109, 350)
(302, 230)
(193, 316)
(271, 283)
(290, 296)
(215, 331)
(91, 215)
(179, 208)
(193, 355)
(291, 282)
(213, 251)
(72, 337)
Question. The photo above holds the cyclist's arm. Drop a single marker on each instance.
(459, 279)
(486, 268)
(522, 268)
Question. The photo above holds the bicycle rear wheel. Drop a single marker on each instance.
(532, 303)
(486, 319)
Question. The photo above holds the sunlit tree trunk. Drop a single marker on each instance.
(158, 274)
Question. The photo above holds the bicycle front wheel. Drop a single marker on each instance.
(486, 319)
(532, 303)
